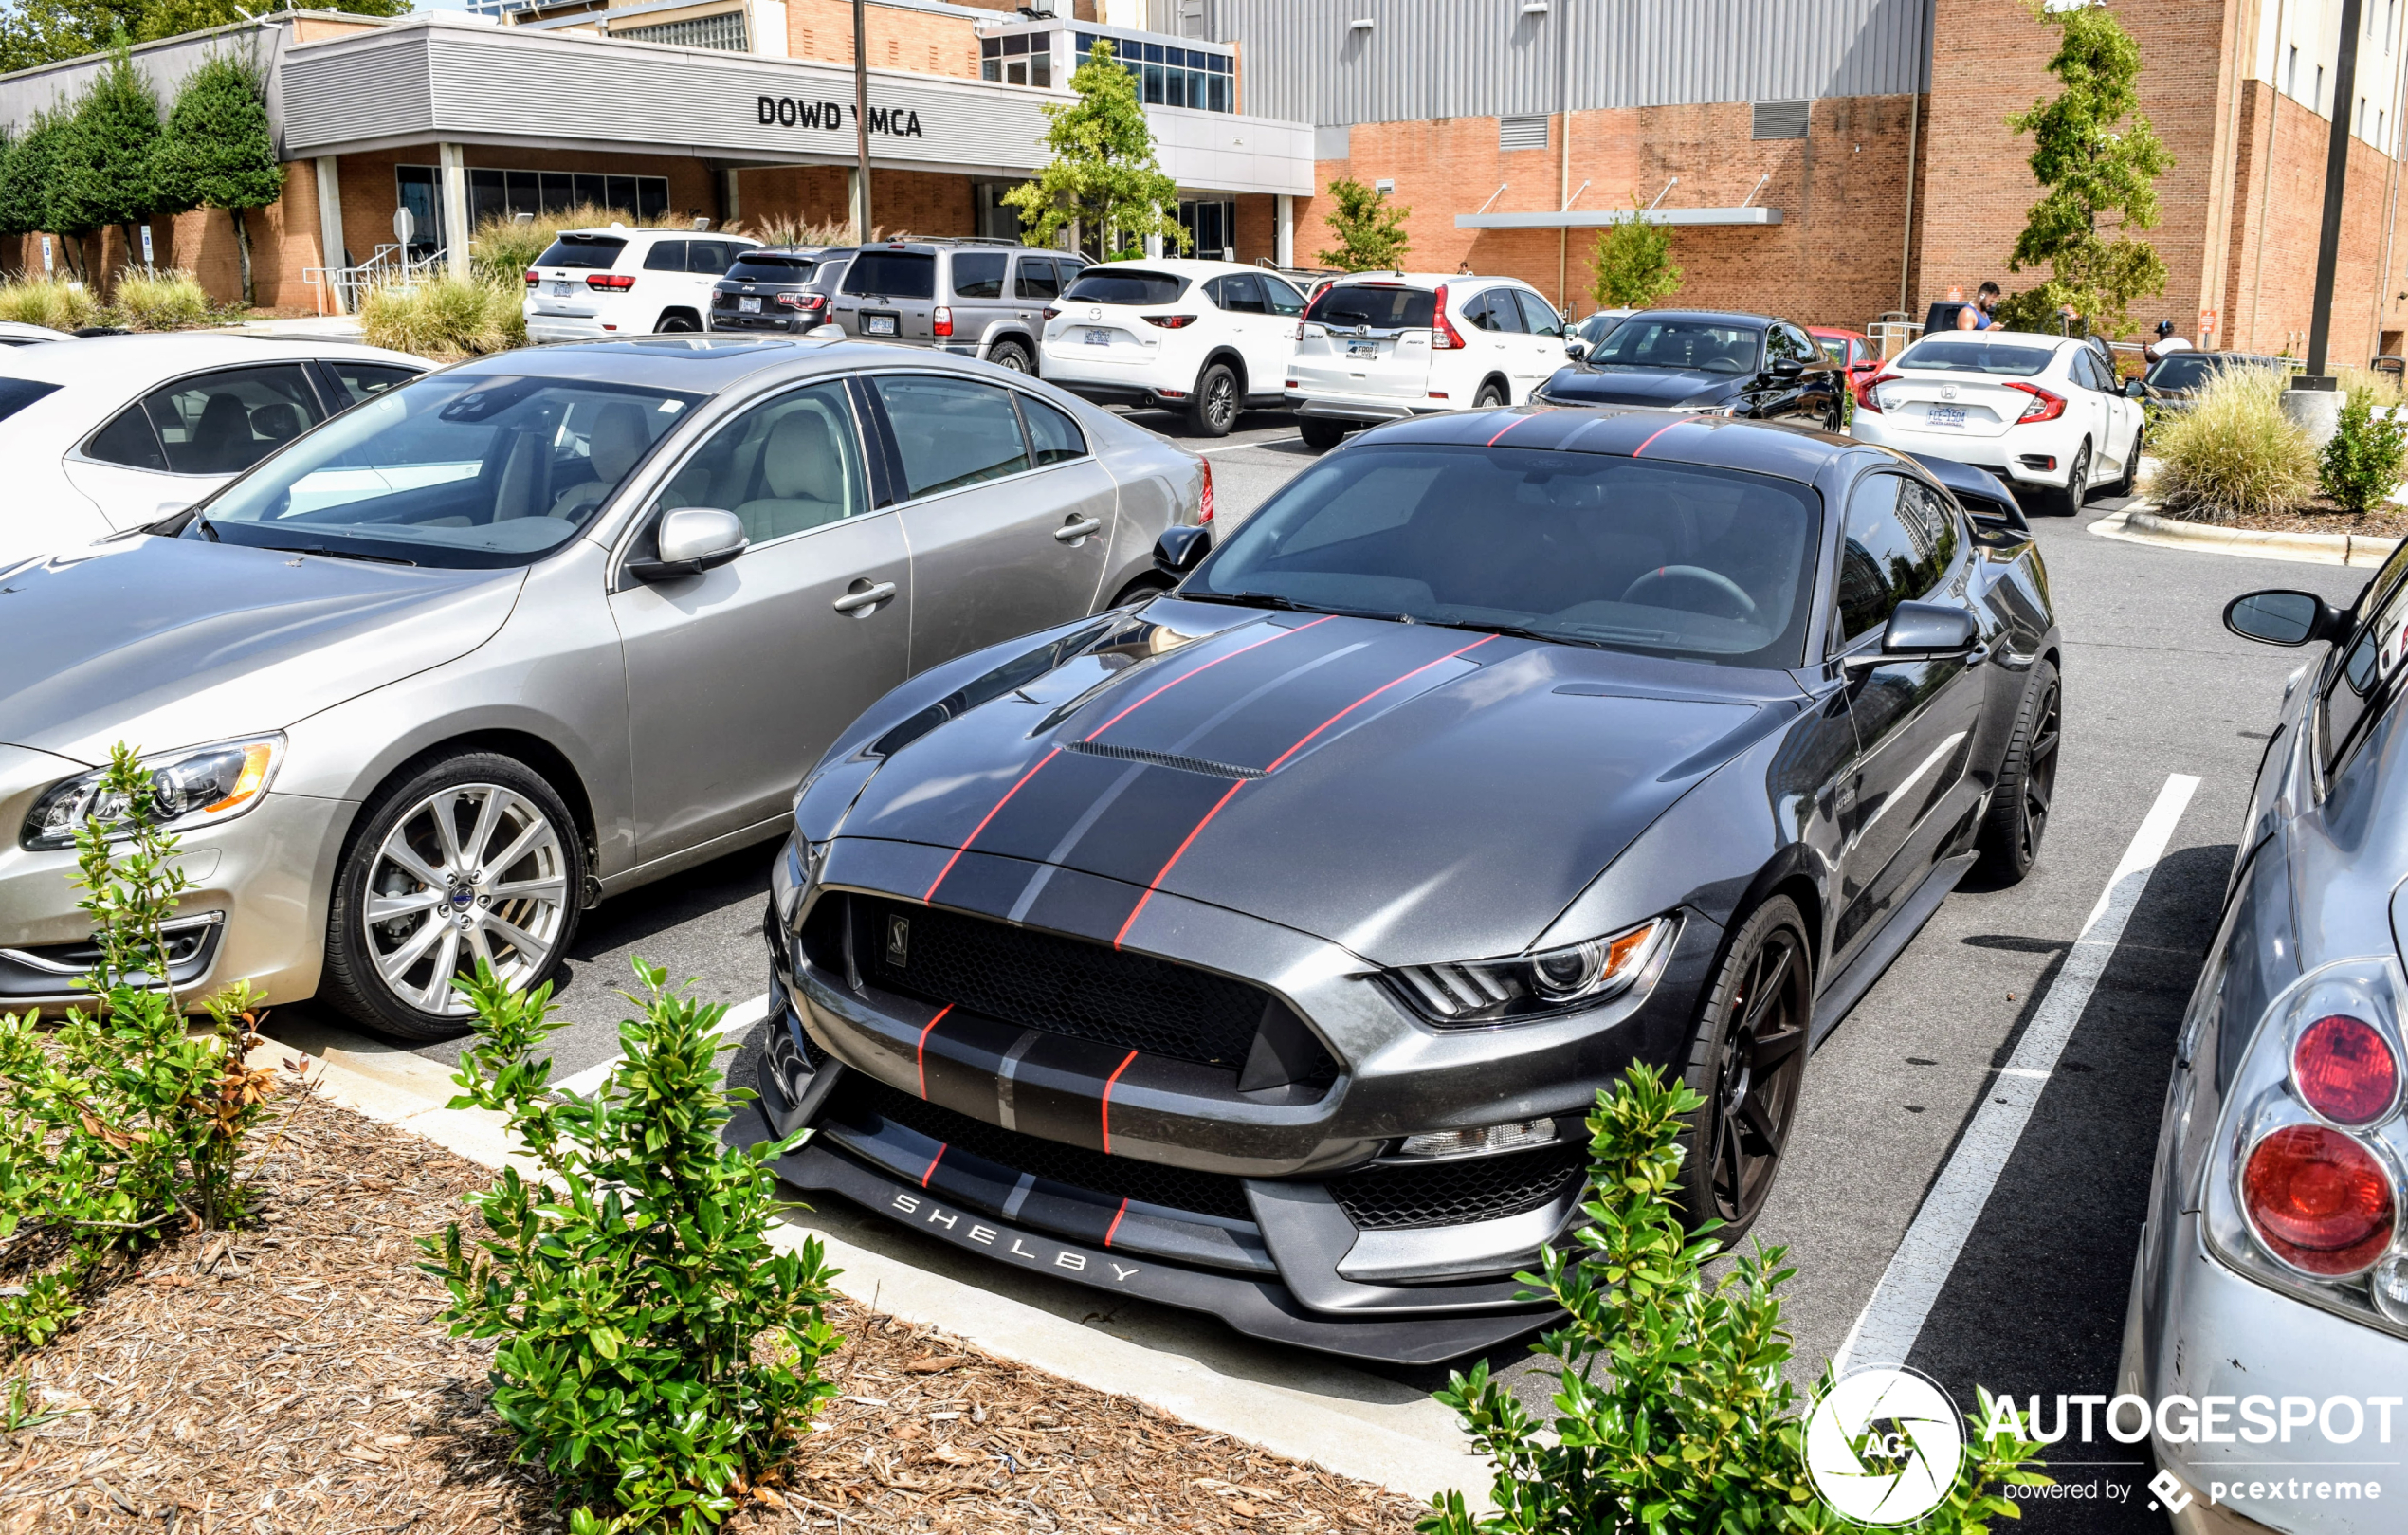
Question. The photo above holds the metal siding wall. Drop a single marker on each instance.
(360, 93)
(1429, 59)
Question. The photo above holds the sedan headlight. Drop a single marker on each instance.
(1480, 991)
(197, 786)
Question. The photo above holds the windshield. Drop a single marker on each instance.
(456, 470)
(1383, 308)
(1671, 560)
(1127, 287)
(1975, 357)
(1683, 345)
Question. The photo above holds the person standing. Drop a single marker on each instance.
(1981, 314)
(2166, 343)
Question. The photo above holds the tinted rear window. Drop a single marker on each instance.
(16, 393)
(893, 274)
(1127, 287)
(582, 251)
(756, 269)
(2181, 372)
(1976, 356)
(1402, 310)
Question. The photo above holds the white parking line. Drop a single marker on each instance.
(1884, 1333)
(740, 1017)
(1234, 448)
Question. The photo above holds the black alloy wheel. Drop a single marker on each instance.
(1320, 434)
(2018, 818)
(1747, 1061)
(1011, 355)
(1491, 398)
(1213, 412)
(2077, 484)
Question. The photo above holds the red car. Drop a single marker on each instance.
(1852, 350)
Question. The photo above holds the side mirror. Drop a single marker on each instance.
(1922, 631)
(692, 540)
(1785, 368)
(2283, 617)
(2135, 389)
(1181, 549)
(1575, 348)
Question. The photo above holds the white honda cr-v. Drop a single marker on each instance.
(1209, 338)
(621, 281)
(1378, 346)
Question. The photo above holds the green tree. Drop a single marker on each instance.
(1369, 229)
(1104, 177)
(1631, 266)
(106, 171)
(35, 32)
(218, 151)
(26, 175)
(2098, 157)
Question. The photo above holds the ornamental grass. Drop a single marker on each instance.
(2233, 455)
(446, 318)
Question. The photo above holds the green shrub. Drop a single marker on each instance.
(125, 1124)
(52, 301)
(149, 300)
(2366, 458)
(2234, 454)
(1672, 1411)
(446, 318)
(657, 1353)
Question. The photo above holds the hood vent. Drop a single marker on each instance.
(1168, 759)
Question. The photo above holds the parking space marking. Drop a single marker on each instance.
(740, 1017)
(1886, 1331)
(1239, 448)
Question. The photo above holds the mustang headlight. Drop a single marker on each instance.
(197, 786)
(1477, 991)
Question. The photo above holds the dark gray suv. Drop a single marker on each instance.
(973, 297)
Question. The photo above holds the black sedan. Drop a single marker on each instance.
(1262, 949)
(1711, 363)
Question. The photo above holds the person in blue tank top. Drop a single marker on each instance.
(1978, 316)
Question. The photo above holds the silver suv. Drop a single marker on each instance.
(973, 297)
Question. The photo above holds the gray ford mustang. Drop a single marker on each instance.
(1260, 950)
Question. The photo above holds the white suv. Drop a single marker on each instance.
(1209, 338)
(623, 282)
(1378, 346)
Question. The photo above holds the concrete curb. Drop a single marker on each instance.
(2136, 524)
(1299, 1405)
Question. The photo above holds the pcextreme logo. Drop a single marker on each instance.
(1882, 1444)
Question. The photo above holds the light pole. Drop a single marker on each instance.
(861, 118)
(2319, 414)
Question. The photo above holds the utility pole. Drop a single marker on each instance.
(2319, 330)
(861, 118)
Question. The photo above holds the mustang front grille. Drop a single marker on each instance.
(1455, 1192)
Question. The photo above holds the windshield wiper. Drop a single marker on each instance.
(334, 554)
(1267, 599)
(1519, 631)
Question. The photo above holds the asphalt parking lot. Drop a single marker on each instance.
(2033, 1300)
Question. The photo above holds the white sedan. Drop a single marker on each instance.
(2040, 412)
(17, 333)
(116, 432)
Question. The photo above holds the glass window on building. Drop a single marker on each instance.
(724, 31)
(1212, 228)
(1191, 78)
(501, 193)
(1021, 59)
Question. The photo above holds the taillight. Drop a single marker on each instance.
(1443, 335)
(2319, 1201)
(1050, 312)
(941, 323)
(2345, 1071)
(2044, 406)
(532, 278)
(1206, 500)
(802, 300)
(1866, 396)
(1171, 322)
(611, 281)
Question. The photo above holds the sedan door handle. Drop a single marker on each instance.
(1073, 532)
(864, 597)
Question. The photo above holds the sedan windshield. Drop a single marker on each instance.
(1975, 357)
(1699, 345)
(457, 469)
(1671, 560)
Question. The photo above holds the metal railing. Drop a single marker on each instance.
(345, 286)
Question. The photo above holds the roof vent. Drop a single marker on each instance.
(1781, 119)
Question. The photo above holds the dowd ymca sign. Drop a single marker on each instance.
(792, 112)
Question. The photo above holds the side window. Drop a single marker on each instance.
(2357, 686)
(1282, 298)
(1494, 311)
(1057, 437)
(1932, 523)
(1802, 347)
(1036, 279)
(1780, 346)
(1240, 295)
(667, 256)
(788, 465)
(951, 431)
(220, 423)
(364, 381)
(711, 258)
(978, 274)
(1881, 556)
(1537, 313)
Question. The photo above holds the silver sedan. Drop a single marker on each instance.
(529, 632)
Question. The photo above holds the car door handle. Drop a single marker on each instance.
(1073, 532)
(862, 595)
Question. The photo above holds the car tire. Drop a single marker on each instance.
(1212, 410)
(386, 971)
(2011, 833)
(1320, 434)
(1012, 355)
(678, 321)
(1144, 586)
(2077, 484)
(1492, 396)
(1746, 1061)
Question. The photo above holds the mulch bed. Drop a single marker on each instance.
(296, 1377)
(2320, 516)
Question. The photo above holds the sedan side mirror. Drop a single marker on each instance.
(692, 540)
(1922, 631)
(1785, 368)
(2283, 617)
(1575, 348)
(2135, 389)
(1181, 549)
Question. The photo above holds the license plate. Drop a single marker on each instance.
(878, 324)
(748, 306)
(1362, 349)
(1943, 415)
(1099, 338)
(559, 290)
